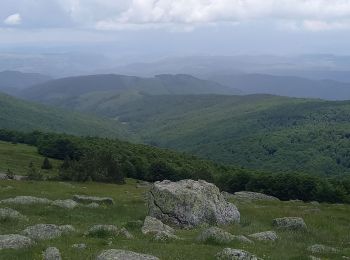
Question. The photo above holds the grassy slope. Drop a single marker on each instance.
(21, 115)
(258, 131)
(17, 157)
(328, 226)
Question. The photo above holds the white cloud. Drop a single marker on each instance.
(14, 19)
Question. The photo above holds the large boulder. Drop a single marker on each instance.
(46, 231)
(291, 223)
(235, 254)
(14, 241)
(157, 229)
(220, 236)
(115, 254)
(52, 253)
(190, 203)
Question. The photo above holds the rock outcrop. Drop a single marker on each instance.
(249, 195)
(115, 254)
(14, 241)
(235, 254)
(264, 236)
(189, 203)
(291, 223)
(46, 231)
(92, 199)
(7, 213)
(52, 253)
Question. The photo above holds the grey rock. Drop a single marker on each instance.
(291, 223)
(14, 241)
(103, 230)
(311, 257)
(322, 249)
(67, 204)
(91, 199)
(315, 203)
(216, 235)
(235, 254)
(157, 229)
(189, 203)
(7, 213)
(125, 233)
(52, 253)
(93, 205)
(46, 231)
(115, 254)
(264, 236)
(26, 200)
(249, 195)
(81, 246)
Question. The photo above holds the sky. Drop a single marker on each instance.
(177, 27)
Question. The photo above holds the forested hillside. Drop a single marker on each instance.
(26, 116)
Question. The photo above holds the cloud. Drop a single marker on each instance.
(314, 15)
(14, 19)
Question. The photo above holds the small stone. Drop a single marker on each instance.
(322, 249)
(235, 254)
(158, 229)
(291, 223)
(52, 253)
(90, 199)
(67, 204)
(81, 246)
(14, 241)
(115, 254)
(103, 230)
(265, 236)
(216, 235)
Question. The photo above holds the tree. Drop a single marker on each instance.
(46, 164)
(33, 174)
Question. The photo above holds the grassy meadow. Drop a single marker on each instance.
(327, 224)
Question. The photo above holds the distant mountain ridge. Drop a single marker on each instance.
(13, 81)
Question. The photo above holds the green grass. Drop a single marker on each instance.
(328, 226)
(17, 158)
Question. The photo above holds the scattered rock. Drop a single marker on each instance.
(125, 233)
(235, 254)
(46, 231)
(265, 236)
(52, 253)
(115, 254)
(315, 203)
(322, 249)
(90, 199)
(227, 195)
(26, 200)
(14, 241)
(249, 195)
(296, 201)
(292, 223)
(67, 204)
(93, 205)
(190, 203)
(7, 213)
(79, 246)
(158, 229)
(103, 230)
(216, 235)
